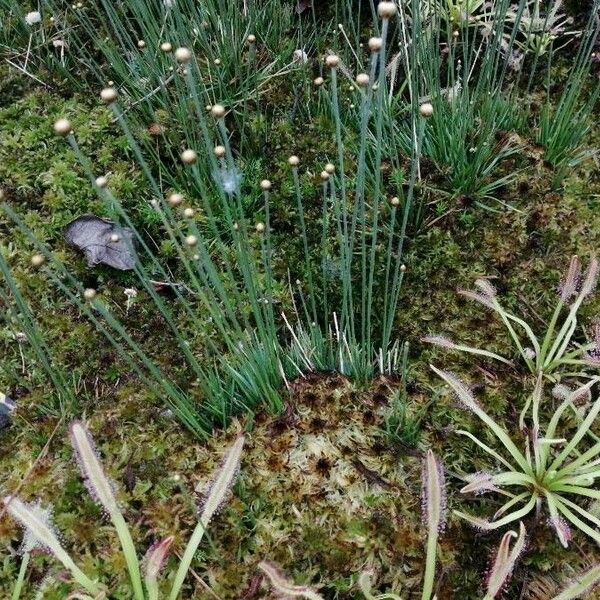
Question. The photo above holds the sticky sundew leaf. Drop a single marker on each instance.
(219, 489)
(433, 493)
(581, 585)
(39, 530)
(221, 484)
(504, 562)
(96, 481)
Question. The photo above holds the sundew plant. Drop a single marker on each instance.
(549, 470)
(555, 354)
(40, 531)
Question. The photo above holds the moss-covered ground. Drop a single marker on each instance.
(321, 491)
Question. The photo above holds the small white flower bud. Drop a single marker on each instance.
(141, 44)
(188, 213)
(189, 157)
(191, 240)
(251, 39)
(109, 95)
(183, 55)
(166, 47)
(37, 260)
(386, 10)
(219, 151)
(426, 110)
(115, 237)
(265, 185)
(260, 228)
(362, 79)
(318, 81)
(395, 201)
(375, 44)
(175, 199)
(218, 111)
(332, 61)
(89, 294)
(62, 127)
(101, 181)
(293, 161)
(330, 168)
(324, 176)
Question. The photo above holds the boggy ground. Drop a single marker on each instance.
(321, 490)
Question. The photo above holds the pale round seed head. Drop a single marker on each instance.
(330, 168)
(110, 83)
(183, 55)
(217, 61)
(89, 294)
(166, 47)
(188, 213)
(318, 81)
(265, 185)
(403, 268)
(101, 181)
(293, 161)
(332, 61)
(191, 240)
(251, 39)
(1, 194)
(109, 95)
(115, 237)
(362, 79)
(260, 227)
(324, 175)
(62, 127)
(218, 111)
(426, 110)
(395, 201)
(175, 199)
(219, 151)
(375, 44)
(141, 44)
(386, 10)
(189, 157)
(37, 260)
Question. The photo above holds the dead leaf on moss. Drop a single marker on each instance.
(102, 242)
(7, 406)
